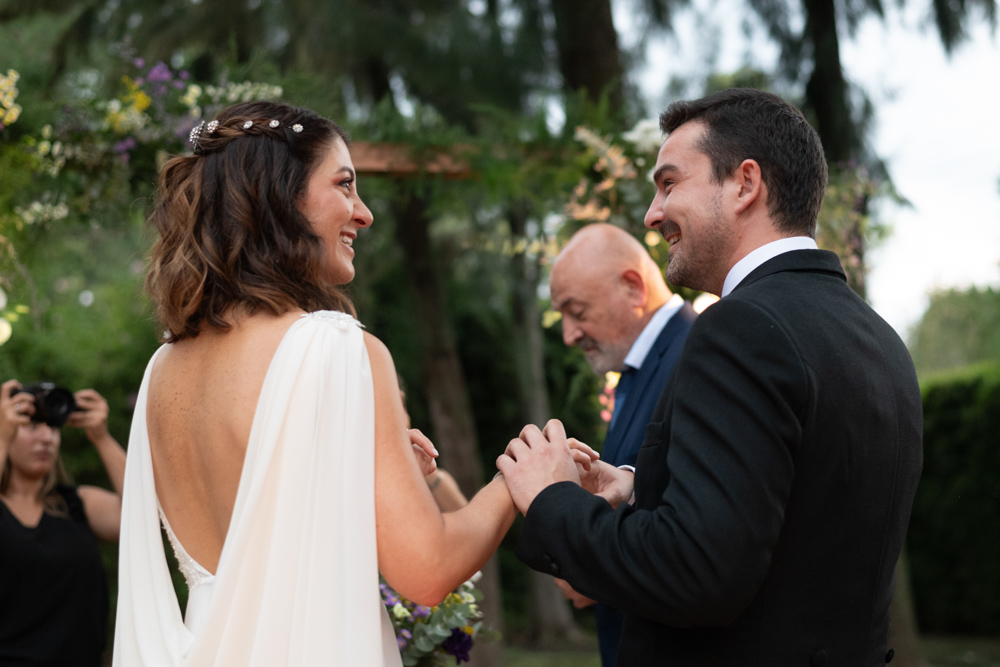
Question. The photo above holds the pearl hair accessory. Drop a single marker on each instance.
(273, 124)
(296, 128)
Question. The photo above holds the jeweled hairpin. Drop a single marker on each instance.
(196, 134)
(199, 129)
(296, 128)
(247, 125)
(273, 124)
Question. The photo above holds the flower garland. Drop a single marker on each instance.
(428, 636)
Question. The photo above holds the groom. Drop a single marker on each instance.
(774, 486)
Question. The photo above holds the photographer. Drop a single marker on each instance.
(53, 588)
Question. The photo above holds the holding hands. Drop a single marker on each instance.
(538, 458)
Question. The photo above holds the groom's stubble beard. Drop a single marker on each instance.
(695, 263)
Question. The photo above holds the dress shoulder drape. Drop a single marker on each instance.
(297, 581)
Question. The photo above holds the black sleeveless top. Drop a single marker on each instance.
(53, 590)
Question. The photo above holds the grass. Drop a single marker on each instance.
(938, 652)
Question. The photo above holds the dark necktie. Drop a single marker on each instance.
(621, 391)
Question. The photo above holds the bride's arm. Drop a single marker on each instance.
(422, 553)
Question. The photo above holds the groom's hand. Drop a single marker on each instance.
(535, 460)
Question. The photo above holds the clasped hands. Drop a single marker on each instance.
(541, 457)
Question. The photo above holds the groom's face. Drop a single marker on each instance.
(688, 210)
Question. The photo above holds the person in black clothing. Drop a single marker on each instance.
(53, 588)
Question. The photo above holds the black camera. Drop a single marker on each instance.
(52, 404)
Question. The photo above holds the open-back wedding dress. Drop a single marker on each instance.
(297, 581)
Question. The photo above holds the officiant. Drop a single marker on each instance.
(617, 308)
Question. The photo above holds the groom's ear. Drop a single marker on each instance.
(748, 186)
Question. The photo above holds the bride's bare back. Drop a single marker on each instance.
(203, 394)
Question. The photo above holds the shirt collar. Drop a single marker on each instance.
(644, 343)
(745, 266)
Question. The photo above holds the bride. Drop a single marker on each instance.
(269, 436)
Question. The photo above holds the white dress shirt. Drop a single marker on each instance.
(745, 266)
(644, 343)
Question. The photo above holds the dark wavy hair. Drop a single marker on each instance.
(230, 230)
(744, 123)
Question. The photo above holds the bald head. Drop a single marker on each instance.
(607, 288)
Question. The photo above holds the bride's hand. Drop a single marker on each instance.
(424, 451)
(583, 455)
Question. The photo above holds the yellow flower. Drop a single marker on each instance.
(12, 114)
(468, 630)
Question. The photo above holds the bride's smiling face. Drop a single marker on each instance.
(332, 206)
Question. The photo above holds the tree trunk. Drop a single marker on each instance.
(588, 49)
(826, 91)
(552, 624)
(447, 397)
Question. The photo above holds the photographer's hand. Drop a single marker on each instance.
(15, 411)
(92, 416)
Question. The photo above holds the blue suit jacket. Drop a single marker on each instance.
(621, 446)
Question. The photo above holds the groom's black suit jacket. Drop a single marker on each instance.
(772, 492)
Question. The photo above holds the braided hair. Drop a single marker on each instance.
(231, 234)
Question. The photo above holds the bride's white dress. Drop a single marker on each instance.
(297, 581)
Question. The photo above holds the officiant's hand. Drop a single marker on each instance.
(613, 484)
(424, 451)
(536, 459)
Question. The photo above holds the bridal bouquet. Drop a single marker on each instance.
(428, 636)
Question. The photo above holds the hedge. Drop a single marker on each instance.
(954, 535)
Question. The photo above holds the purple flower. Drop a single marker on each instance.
(458, 645)
(139, 63)
(160, 73)
(178, 84)
(421, 611)
(125, 145)
(140, 81)
(184, 74)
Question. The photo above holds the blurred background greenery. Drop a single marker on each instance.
(535, 99)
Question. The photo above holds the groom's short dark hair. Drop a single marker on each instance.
(745, 123)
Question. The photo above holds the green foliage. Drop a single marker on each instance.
(959, 327)
(953, 541)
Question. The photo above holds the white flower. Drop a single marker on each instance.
(645, 136)
(399, 611)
